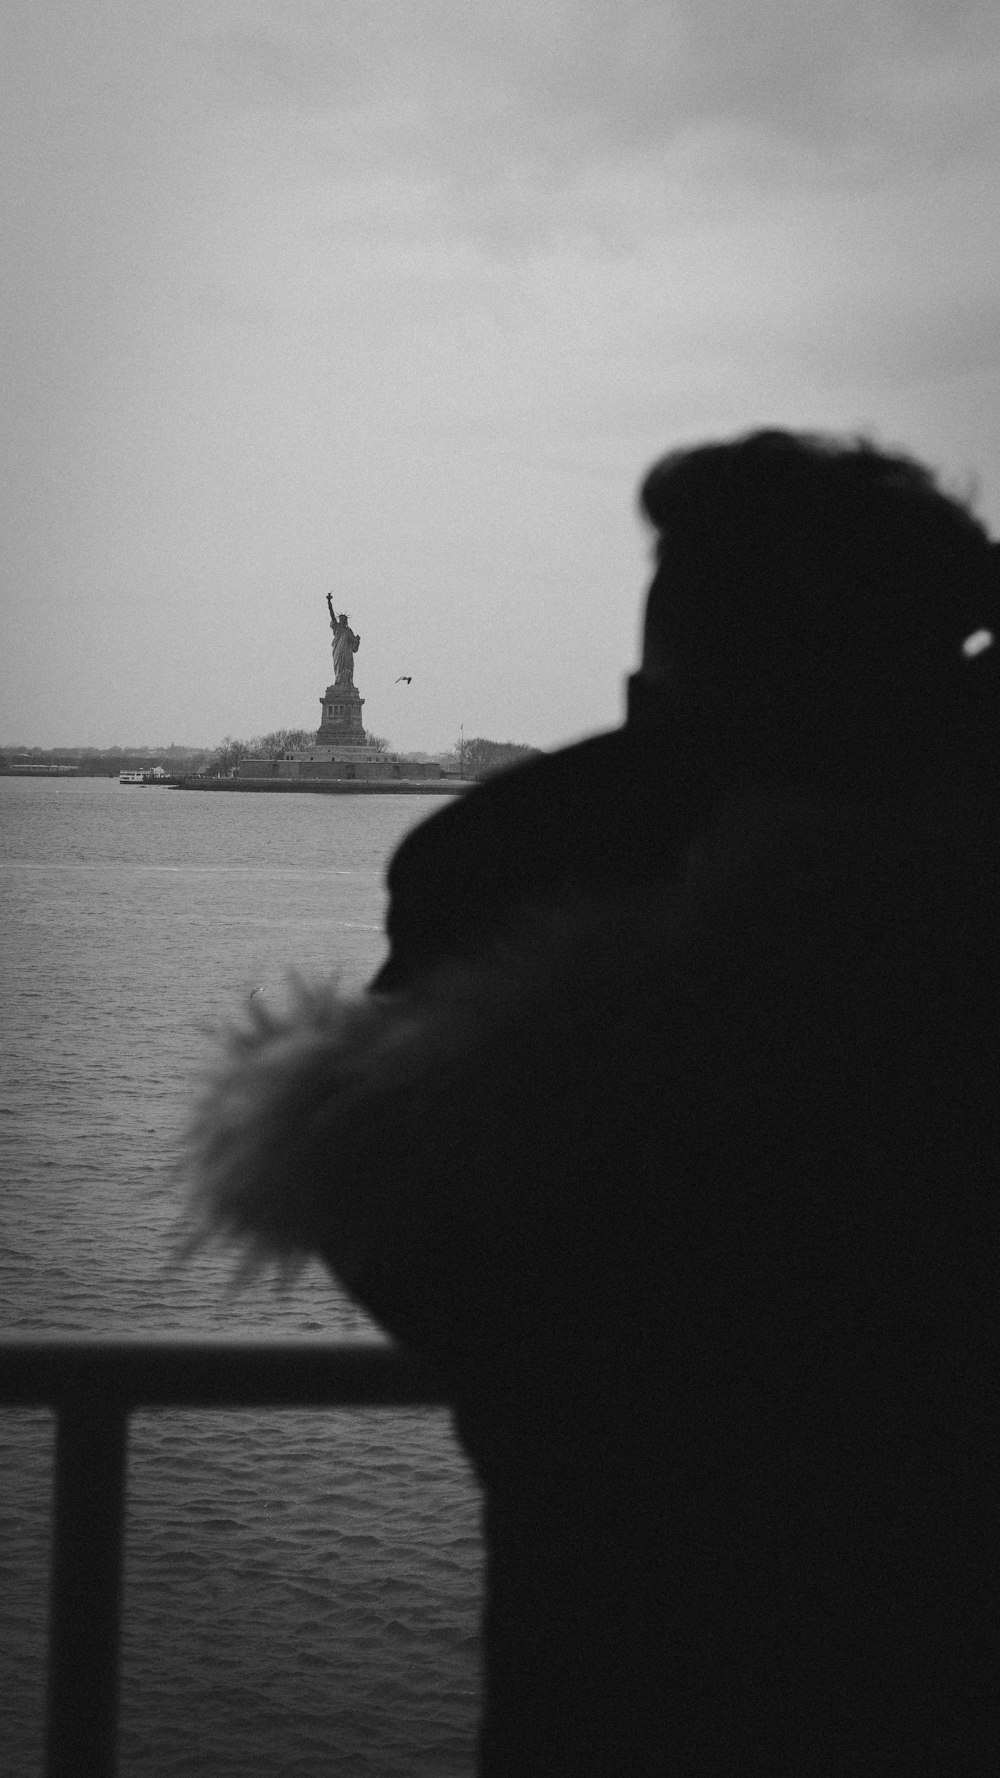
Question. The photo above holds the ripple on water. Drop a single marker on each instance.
(301, 1589)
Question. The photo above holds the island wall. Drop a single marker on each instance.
(327, 786)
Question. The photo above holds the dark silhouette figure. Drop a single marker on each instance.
(669, 1136)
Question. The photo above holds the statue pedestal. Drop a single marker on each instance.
(340, 717)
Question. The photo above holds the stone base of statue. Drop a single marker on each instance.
(340, 723)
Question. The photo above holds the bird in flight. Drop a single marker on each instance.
(404, 678)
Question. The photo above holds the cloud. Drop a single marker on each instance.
(594, 125)
(548, 84)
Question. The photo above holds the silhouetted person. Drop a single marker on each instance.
(675, 1152)
(800, 631)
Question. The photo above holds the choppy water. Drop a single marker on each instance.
(302, 1588)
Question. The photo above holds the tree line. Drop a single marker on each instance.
(475, 758)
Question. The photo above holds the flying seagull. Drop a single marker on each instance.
(404, 678)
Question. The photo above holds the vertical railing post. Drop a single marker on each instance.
(85, 1591)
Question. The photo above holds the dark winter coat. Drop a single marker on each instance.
(688, 1189)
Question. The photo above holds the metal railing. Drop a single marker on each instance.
(93, 1385)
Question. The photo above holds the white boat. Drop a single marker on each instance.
(132, 778)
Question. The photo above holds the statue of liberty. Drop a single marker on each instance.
(345, 645)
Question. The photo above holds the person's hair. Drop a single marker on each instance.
(818, 587)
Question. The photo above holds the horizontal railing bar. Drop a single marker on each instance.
(210, 1372)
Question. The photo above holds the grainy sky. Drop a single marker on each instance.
(398, 298)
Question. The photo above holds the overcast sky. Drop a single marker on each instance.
(397, 299)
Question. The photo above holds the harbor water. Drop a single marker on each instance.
(302, 1588)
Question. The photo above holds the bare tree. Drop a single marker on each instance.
(379, 743)
(479, 757)
(281, 740)
(228, 754)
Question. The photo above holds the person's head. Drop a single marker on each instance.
(813, 594)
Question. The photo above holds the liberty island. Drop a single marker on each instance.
(342, 757)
